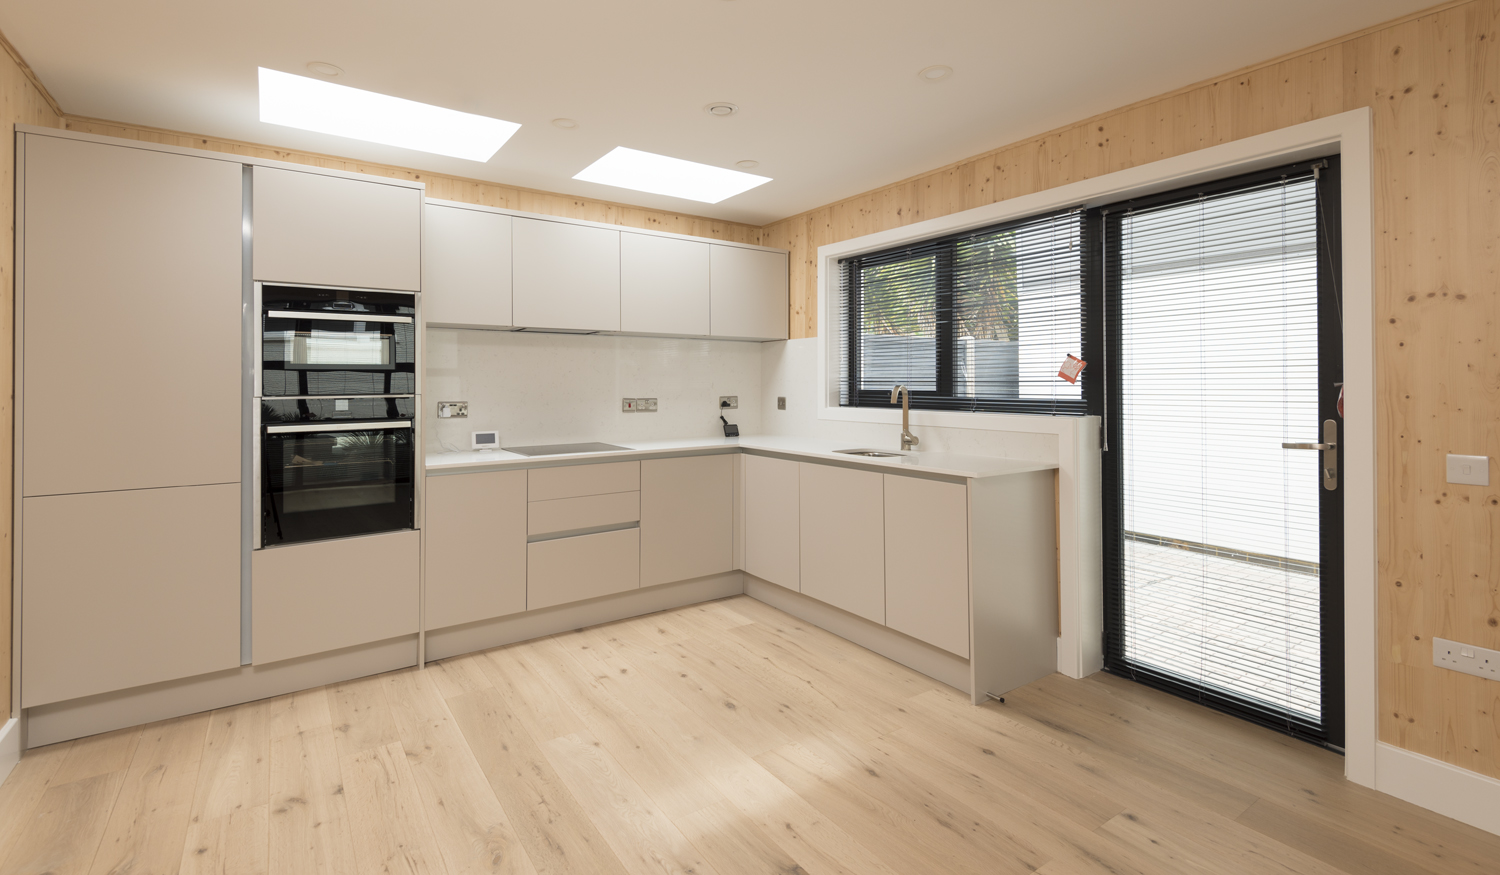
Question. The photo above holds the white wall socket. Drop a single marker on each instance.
(1466, 658)
(453, 409)
(1473, 470)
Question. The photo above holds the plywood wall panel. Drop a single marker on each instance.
(1432, 81)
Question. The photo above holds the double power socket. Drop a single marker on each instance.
(638, 405)
(1466, 658)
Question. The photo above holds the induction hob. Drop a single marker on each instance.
(565, 449)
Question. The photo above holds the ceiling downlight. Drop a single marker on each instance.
(721, 110)
(935, 73)
(566, 124)
(325, 69)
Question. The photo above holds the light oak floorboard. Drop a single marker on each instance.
(721, 738)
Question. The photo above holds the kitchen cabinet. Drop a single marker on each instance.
(131, 288)
(687, 518)
(772, 520)
(123, 589)
(474, 552)
(927, 561)
(566, 277)
(664, 285)
(326, 230)
(749, 299)
(466, 267)
(843, 538)
(572, 481)
(327, 595)
(566, 570)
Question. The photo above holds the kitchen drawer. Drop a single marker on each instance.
(587, 566)
(545, 484)
(583, 512)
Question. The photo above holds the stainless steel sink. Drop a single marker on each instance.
(873, 454)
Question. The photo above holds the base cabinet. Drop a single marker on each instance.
(474, 555)
(572, 569)
(687, 518)
(927, 561)
(843, 539)
(772, 513)
(328, 595)
(123, 589)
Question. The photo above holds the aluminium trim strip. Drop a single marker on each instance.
(320, 315)
(337, 426)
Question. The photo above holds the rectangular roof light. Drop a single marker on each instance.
(314, 105)
(658, 174)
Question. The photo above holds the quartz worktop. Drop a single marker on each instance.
(914, 462)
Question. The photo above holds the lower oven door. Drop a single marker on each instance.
(336, 480)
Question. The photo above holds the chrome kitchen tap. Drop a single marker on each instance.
(908, 440)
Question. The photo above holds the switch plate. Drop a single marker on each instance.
(1473, 470)
(780, 402)
(453, 409)
(627, 405)
(1466, 658)
(734, 402)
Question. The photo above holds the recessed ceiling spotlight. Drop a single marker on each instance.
(747, 164)
(323, 68)
(316, 105)
(721, 110)
(935, 73)
(660, 174)
(566, 124)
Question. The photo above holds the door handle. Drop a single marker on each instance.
(1330, 449)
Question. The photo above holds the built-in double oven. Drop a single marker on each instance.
(336, 413)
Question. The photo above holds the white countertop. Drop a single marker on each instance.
(947, 464)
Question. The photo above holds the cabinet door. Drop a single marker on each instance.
(332, 231)
(131, 314)
(664, 285)
(927, 561)
(566, 276)
(128, 588)
(327, 595)
(583, 567)
(466, 268)
(475, 548)
(749, 293)
(687, 518)
(843, 539)
(772, 532)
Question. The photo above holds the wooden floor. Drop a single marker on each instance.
(720, 738)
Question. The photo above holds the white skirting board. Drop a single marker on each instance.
(917, 655)
(10, 747)
(1437, 786)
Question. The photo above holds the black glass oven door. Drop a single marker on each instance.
(336, 480)
(307, 353)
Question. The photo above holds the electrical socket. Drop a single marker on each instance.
(453, 409)
(650, 404)
(637, 405)
(729, 402)
(1466, 658)
(780, 402)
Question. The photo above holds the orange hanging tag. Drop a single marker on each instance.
(1072, 366)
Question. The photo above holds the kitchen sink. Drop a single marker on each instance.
(873, 454)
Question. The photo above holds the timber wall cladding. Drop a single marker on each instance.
(1432, 81)
(21, 102)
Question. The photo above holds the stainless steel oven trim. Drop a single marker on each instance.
(331, 397)
(335, 316)
(256, 337)
(337, 288)
(336, 426)
(257, 538)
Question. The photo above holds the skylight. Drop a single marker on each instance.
(658, 174)
(313, 105)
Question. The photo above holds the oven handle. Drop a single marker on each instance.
(321, 315)
(336, 426)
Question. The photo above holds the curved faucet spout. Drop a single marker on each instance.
(901, 392)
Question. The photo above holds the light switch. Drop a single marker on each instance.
(1473, 470)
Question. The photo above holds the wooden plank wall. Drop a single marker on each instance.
(445, 187)
(22, 101)
(1432, 80)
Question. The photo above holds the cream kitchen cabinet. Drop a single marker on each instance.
(474, 552)
(927, 561)
(566, 276)
(466, 270)
(326, 230)
(843, 538)
(687, 518)
(772, 527)
(664, 285)
(749, 298)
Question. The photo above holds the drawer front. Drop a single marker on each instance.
(584, 512)
(546, 484)
(588, 566)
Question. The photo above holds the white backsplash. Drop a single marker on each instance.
(561, 388)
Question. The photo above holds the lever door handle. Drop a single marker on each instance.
(1308, 446)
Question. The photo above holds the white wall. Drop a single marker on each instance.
(561, 388)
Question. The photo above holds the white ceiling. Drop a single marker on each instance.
(830, 103)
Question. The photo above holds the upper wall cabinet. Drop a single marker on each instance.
(124, 247)
(333, 231)
(749, 293)
(466, 268)
(664, 285)
(565, 276)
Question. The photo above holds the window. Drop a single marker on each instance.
(975, 321)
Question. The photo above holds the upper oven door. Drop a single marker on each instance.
(321, 342)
